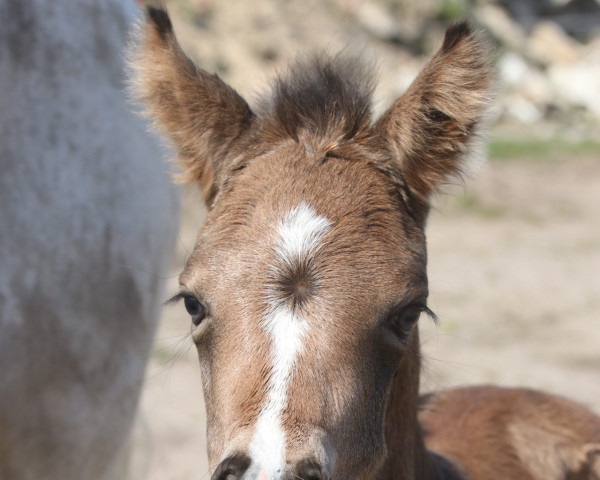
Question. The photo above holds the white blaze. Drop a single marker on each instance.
(299, 234)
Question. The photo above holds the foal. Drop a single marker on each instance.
(309, 275)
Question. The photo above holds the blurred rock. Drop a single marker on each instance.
(550, 44)
(521, 109)
(519, 76)
(544, 73)
(591, 51)
(578, 85)
(578, 18)
(528, 12)
(378, 21)
(500, 25)
(513, 69)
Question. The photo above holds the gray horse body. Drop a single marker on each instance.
(87, 222)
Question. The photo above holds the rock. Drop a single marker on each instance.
(550, 44)
(513, 69)
(521, 109)
(378, 21)
(578, 84)
(526, 12)
(579, 18)
(501, 26)
(537, 89)
(591, 51)
(525, 81)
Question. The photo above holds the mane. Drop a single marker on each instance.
(326, 96)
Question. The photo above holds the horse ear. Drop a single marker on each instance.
(201, 115)
(434, 124)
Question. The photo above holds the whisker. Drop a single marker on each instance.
(180, 348)
(205, 475)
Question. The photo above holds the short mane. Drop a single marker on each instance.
(327, 96)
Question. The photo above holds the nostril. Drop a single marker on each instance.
(232, 468)
(311, 470)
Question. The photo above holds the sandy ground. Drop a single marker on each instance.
(515, 279)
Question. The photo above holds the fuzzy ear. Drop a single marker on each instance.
(432, 127)
(201, 115)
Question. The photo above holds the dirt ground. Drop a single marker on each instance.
(515, 279)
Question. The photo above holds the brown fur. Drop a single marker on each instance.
(436, 122)
(211, 126)
(406, 456)
(329, 98)
(203, 117)
(498, 433)
(353, 390)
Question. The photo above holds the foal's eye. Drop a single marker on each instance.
(196, 310)
(402, 322)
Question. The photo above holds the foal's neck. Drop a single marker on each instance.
(407, 459)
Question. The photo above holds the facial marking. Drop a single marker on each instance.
(300, 236)
(300, 233)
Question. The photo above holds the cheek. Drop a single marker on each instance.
(207, 374)
(360, 435)
(375, 373)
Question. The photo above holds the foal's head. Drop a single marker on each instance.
(310, 272)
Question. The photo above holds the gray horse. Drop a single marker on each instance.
(87, 222)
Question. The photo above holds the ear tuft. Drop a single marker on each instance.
(455, 34)
(204, 119)
(160, 20)
(436, 124)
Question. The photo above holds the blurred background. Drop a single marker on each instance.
(514, 253)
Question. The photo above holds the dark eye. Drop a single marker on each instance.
(196, 310)
(402, 322)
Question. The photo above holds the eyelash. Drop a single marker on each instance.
(403, 320)
(427, 311)
(195, 308)
(420, 307)
(176, 298)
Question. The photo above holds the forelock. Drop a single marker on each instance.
(329, 97)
